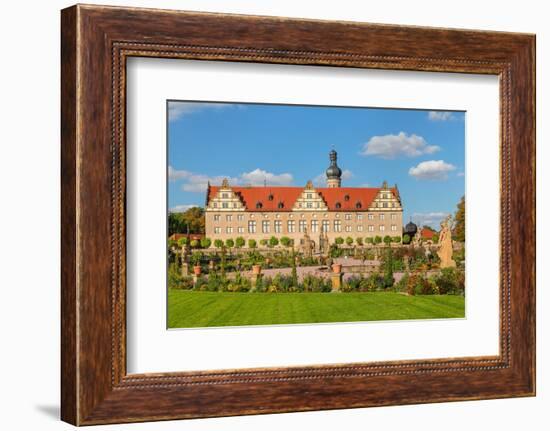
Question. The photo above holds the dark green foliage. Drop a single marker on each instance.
(252, 243)
(218, 243)
(450, 281)
(406, 239)
(206, 242)
(239, 242)
(229, 243)
(273, 241)
(191, 221)
(339, 240)
(377, 239)
(459, 229)
(388, 269)
(349, 240)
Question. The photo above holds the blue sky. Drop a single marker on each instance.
(422, 151)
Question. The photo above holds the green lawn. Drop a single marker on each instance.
(189, 309)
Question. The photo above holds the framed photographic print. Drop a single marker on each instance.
(269, 215)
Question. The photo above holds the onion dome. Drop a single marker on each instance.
(411, 228)
(333, 171)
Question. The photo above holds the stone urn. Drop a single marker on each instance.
(256, 269)
(337, 268)
(197, 270)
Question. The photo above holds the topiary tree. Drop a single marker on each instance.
(240, 242)
(218, 243)
(388, 269)
(359, 241)
(286, 241)
(206, 242)
(377, 239)
(339, 240)
(263, 242)
(194, 243)
(387, 240)
(273, 242)
(368, 240)
(349, 240)
(406, 239)
(229, 243)
(252, 243)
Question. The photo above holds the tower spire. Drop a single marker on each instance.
(334, 173)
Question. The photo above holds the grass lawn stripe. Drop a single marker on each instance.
(188, 309)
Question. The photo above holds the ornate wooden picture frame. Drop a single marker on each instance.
(96, 42)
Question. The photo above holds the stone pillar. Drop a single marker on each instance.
(336, 280)
(184, 269)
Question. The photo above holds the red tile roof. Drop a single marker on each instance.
(346, 197)
(427, 233)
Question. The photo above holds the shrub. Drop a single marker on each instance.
(450, 281)
(182, 241)
(174, 277)
(240, 242)
(401, 285)
(396, 239)
(229, 243)
(218, 243)
(387, 240)
(359, 241)
(339, 240)
(388, 269)
(418, 284)
(377, 239)
(273, 242)
(196, 258)
(201, 283)
(206, 242)
(406, 239)
(263, 242)
(349, 240)
(252, 243)
(369, 240)
(286, 241)
(194, 243)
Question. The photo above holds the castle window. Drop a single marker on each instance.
(225, 195)
(302, 226)
(393, 216)
(310, 205)
(270, 197)
(228, 217)
(278, 226)
(291, 226)
(382, 228)
(265, 226)
(348, 228)
(259, 205)
(346, 198)
(338, 205)
(337, 226)
(314, 226)
(358, 205)
(371, 228)
(280, 205)
(360, 228)
(240, 229)
(359, 216)
(309, 196)
(348, 216)
(229, 229)
(216, 217)
(371, 216)
(252, 226)
(214, 205)
(217, 229)
(382, 216)
(225, 205)
(393, 227)
(240, 217)
(385, 204)
(235, 205)
(325, 226)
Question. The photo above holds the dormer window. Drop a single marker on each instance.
(259, 205)
(346, 198)
(270, 197)
(280, 205)
(338, 205)
(358, 205)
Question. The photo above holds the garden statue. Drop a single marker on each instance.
(323, 243)
(445, 244)
(307, 246)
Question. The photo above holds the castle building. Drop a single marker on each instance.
(260, 212)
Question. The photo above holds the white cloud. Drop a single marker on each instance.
(460, 174)
(440, 115)
(196, 183)
(432, 170)
(432, 219)
(393, 146)
(177, 110)
(181, 208)
(321, 179)
(174, 174)
(258, 177)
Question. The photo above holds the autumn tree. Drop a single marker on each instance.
(459, 230)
